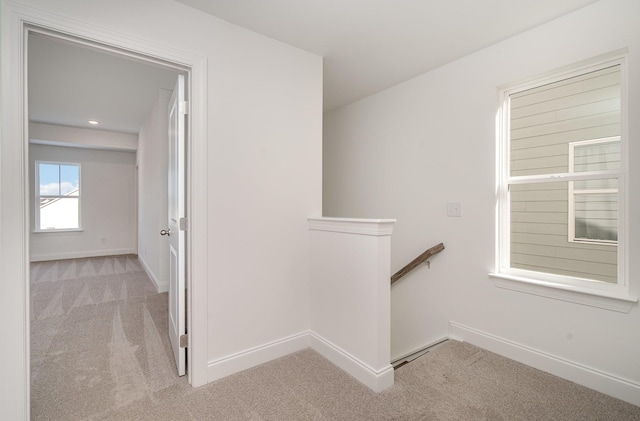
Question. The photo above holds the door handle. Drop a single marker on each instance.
(165, 232)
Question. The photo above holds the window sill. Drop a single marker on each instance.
(58, 231)
(607, 300)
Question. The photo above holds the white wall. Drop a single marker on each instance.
(264, 179)
(153, 150)
(407, 151)
(257, 174)
(107, 203)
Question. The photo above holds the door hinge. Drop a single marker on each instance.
(184, 107)
(184, 340)
(183, 224)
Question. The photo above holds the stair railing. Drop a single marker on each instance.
(416, 262)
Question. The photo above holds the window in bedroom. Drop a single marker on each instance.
(57, 196)
(561, 182)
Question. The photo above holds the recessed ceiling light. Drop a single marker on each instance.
(93, 122)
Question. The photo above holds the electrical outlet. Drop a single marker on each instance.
(454, 209)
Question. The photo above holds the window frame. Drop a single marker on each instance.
(584, 291)
(37, 197)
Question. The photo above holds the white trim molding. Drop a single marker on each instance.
(606, 383)
(620, 302)
(376, 380)
(81, 254)
(378, 227)
(243, 360)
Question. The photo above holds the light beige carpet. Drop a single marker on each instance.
(100, 352)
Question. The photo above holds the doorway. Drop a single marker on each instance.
(115, 152)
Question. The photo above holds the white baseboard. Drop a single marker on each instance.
(608, 384)
(160, 286)
(376, 380)
(225, 366)
(80, 254)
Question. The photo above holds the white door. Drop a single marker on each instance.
(177, 222)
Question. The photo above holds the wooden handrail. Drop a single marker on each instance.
(416, 262)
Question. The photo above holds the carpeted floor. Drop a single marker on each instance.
(100, 351)
(98, 337)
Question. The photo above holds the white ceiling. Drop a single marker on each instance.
(370, 45)
(367, 45)
(70, 84)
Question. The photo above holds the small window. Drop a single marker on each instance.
(57, 196)
(561, 173)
